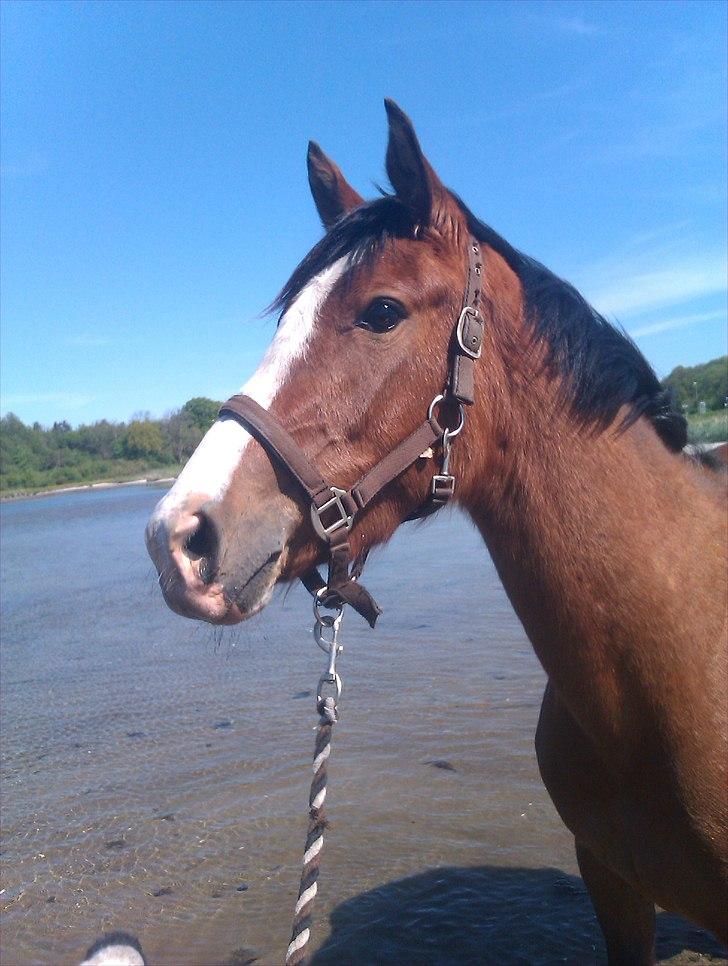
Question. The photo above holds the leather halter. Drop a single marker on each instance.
(333, 510)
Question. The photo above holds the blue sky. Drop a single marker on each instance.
(154, 194)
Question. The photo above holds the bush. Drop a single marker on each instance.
(708, 381)
(710, 428)
(143, 439)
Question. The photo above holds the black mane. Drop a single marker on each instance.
(601, 368)
(358, 236)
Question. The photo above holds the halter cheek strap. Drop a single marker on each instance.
(333, 509)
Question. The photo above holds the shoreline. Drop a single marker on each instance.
(691, 449)
(82, 487)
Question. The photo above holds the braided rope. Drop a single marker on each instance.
(301, 932)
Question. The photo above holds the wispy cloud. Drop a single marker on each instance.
(633, 283)
(667, 139)
(577, 25)
(534, 102)
(72, 400)
(679, 322)
(711, 193)
(670, 285)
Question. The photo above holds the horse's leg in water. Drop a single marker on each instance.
(627, 918)
(582, 792)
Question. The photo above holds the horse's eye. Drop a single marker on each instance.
(382, 315)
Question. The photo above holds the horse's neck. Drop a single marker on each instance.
(607, 546)
(608, 555)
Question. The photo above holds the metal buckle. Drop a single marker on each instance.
(442, 487)
(343, 519)
(476, 346)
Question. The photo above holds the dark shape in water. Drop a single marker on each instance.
(116, 844)
(302, 694)
(51, 899)
(136, 734)
(243, 887)
(225, 723)
(442, 764)
(167, 817)
(164, 891)
(241, 957)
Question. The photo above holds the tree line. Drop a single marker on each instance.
(706, 383)
(35, 457)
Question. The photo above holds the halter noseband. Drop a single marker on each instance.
(333, 509)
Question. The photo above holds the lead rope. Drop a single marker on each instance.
(461, 389)
(442, 487)
(326, 706)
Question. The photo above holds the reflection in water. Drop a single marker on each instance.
(155, 771)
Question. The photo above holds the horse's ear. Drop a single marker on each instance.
(410, 172)
(331, 192)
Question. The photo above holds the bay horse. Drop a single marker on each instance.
(610, 543)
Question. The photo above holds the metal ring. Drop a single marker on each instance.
(325, 645)
(451, 432)
(321, 599)
(328, 620)
(326, 680)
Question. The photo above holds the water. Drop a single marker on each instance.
(155, 771)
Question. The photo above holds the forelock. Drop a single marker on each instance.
(358, 237)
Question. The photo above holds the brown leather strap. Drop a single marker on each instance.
(396, 462)
(277, 441)
(467, 340)
(275, 438)
(269, 432)
(343, 582)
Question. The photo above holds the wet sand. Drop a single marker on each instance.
(155, 772)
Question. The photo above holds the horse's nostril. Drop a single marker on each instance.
(201, 545)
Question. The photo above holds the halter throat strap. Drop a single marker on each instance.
(333, 509)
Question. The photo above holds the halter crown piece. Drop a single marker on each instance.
(333, 509)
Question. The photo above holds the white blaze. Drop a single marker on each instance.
(211, 467)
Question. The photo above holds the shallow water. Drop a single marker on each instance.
(155, 772)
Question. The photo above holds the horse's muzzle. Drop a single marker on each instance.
(200, 576)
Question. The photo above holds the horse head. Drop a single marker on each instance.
(360, 351)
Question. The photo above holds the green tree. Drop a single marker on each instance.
(143, 438)
(99, 439)
(707, 382)
(183, 434)
(202, 411)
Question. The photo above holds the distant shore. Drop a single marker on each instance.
(691, 449)
(80, 487)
